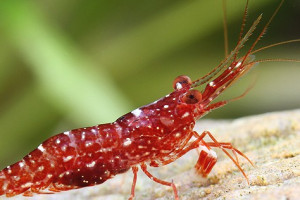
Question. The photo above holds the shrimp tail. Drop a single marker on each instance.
(30, 175)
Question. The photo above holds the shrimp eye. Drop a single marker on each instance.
(181, 81)
(192, 97)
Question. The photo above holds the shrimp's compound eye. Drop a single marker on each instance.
(192, 97)
(181, 81)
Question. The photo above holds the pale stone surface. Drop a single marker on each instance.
(271, 141)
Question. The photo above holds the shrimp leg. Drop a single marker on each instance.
(134, 170)
(144, 168)
(223, 146)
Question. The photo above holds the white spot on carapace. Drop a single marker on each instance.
(142, 147)
(9, 170)
(90, 165)
(17, 178)
(21, 164)
(83, 136)
(178, 135)
(87, 144)
(64, 148)
(41, 168)
(212, 84)
(57, 141)
(94, 131)
(68, 158)
(167, 95)
(67, 133)
(137, 112)
(186, 114)
(174, 99)
(41, 148)
(127, 142)
(166, 106)
(49, 175)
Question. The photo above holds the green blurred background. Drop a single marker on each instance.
(68, 64)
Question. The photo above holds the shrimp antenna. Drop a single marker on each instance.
(244, 93)
(276, 44)
(262, 32)
(242, 26)
(276, 60)
(225, 29)
(227, 60)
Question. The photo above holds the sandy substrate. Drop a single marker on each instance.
(271, 141)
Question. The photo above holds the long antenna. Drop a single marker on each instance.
(225, 29)
(244, 20)
(242, 26)
(262, 32)
(276, 44)
(227, 60)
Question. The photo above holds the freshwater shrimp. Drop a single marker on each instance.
(152, 135)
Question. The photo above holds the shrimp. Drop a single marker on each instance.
(152, 135)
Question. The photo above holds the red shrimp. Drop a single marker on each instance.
(152, 135)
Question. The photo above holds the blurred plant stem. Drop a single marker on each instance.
(64, 74)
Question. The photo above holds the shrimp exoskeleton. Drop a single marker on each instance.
(152, 135)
